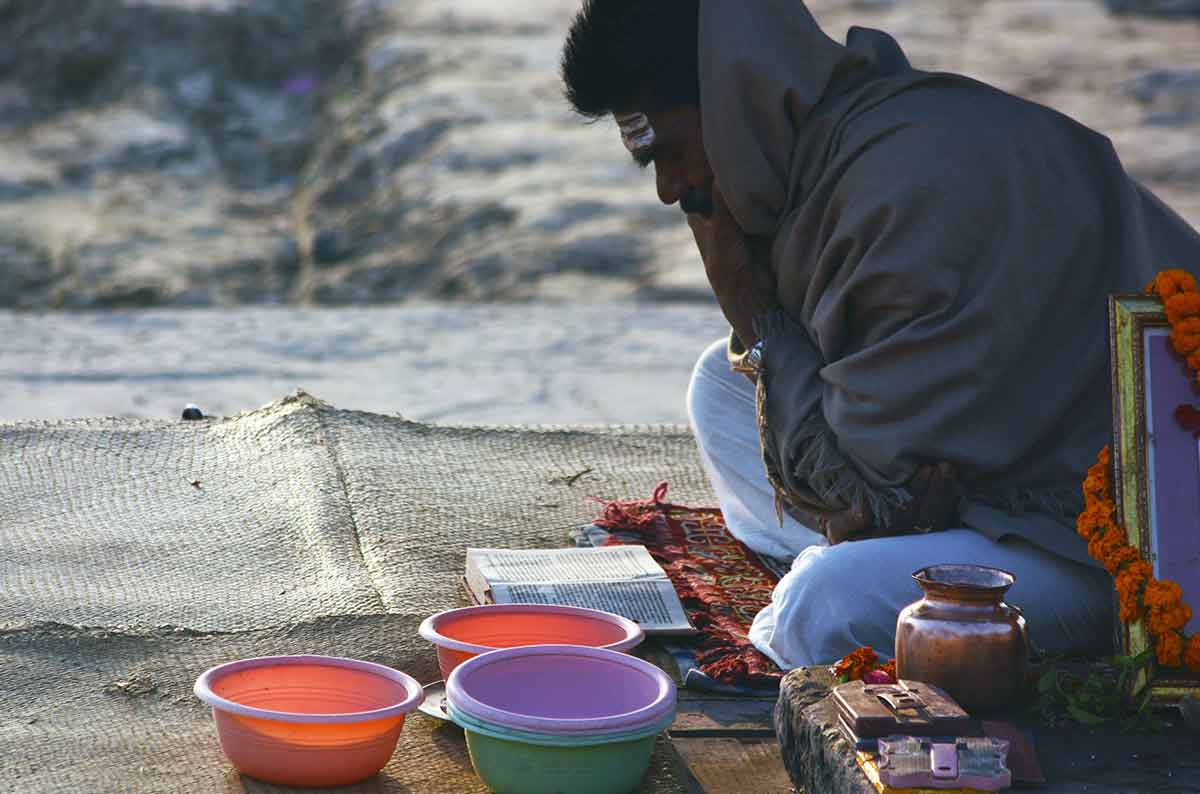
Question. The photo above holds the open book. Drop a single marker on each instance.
(621, 579)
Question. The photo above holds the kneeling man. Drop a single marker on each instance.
(916, 268)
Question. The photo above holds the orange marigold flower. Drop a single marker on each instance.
(1185, 280)
(1131, 610)
(1181, 306)
(1191, 657)
(1194, 362)
(1172, 282)
(1102, 544)
(1120, 556)
(1095, 485)
(1138, 572)
(1185, 336)
(855, 663)
(1162, 286)
(1188, 325)
(1169, 649)
(1095, 488)
(1162, 594)
(890, 667)
(1129, 588)
(1095, 518)
(1162, 621)
(1185, 344)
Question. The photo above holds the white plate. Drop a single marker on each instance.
(435, 701)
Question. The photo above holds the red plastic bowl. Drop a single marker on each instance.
(308, 720)
(460, 634)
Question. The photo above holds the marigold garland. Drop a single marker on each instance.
(1181, 301)
(1139, 594)
(856, 664)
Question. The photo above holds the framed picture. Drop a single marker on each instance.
(1156, 465)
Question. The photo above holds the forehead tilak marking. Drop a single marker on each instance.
(636, 131)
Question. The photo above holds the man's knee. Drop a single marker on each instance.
(709, 384)
(713, 364)
(844, 599)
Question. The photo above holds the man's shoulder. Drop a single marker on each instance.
(941, 122)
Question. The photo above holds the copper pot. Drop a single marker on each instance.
(962, 637)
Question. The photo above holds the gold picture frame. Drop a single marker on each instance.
(1138, 338)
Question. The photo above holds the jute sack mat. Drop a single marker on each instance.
(134, 554)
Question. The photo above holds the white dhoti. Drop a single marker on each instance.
(838, 598)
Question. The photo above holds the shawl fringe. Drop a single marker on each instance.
(816, 459)
(833, 479)
(1064, 503)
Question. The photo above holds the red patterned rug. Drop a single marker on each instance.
(721, 582)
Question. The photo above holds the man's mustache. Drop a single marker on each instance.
(697, 202)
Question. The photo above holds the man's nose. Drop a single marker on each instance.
(671, 187)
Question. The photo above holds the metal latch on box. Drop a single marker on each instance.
(967, 762)
(907, 705)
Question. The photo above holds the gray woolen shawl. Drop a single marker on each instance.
(943, 253)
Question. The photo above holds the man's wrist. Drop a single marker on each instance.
(751, 361)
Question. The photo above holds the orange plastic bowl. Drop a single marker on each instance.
(308, 720)
(460, 634)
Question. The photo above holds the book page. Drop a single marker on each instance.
(652, 604)
(608, 564)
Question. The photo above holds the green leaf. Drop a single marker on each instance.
(1083, 716)
(1048, 681)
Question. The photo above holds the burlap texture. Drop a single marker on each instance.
(135, 554)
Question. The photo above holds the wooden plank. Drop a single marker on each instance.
(726, 765)
(725, 717)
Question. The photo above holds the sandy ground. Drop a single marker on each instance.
(426, 152)
(492, 364)
(447, 167)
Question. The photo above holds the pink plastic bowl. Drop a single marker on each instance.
(308, 720)
(460, 634)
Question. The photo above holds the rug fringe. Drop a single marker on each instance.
(636, 514)
(723, 654)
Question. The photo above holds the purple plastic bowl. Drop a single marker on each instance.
(562, 689)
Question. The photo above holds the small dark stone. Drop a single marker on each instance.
(354, 187)
(287, 256)
(25, 268)
(330, 246)
(1162, 8)
(80, 72)
(191, 413)
(1171, 96)
(127, 296)
(412, 144)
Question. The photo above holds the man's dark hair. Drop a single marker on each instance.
(622, 53)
